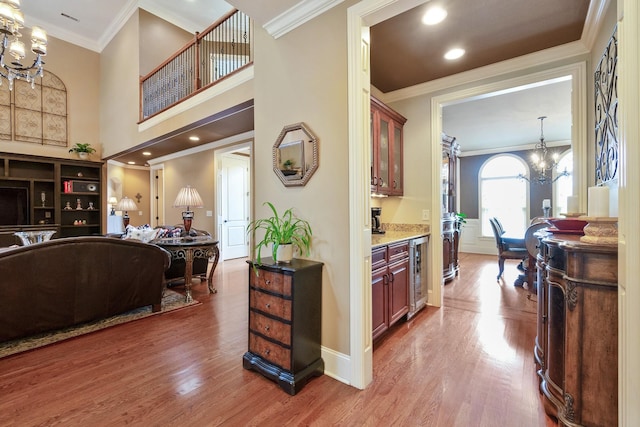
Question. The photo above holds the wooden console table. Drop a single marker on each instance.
(576, 349)
(189, 248)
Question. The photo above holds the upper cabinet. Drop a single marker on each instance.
(387, 173)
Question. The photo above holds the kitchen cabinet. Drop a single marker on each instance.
(576, 348)
(285, 313)
(389, 286)
(387, 173)
(451, 224)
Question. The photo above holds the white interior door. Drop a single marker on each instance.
(234, 175)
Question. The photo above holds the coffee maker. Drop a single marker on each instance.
(375, 221)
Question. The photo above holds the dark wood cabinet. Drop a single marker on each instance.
(285, 313)
(80, 199)
(389, 286)
(576, 345)
(387, 170)
(451, 224)
(450, 244)
(41, 180)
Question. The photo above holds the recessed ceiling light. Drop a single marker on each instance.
(131, 163)
(194, 138)
(146, 153)
(454, 54)
(434, 15)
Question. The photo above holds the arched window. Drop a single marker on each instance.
(503, 195)
(563, 187)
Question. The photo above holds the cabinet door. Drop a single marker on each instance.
(379, 302)
(398, 290)
(396, 184)
(385, 136)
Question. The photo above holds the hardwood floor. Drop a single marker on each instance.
(469, 363)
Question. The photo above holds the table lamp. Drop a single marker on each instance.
(126, 204)
(188, 198)
(113, 201)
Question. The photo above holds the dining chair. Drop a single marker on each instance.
(508, 247)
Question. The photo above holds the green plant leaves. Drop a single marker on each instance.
(281, 229)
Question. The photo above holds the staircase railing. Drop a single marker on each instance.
(221, 50)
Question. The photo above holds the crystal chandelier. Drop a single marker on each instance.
(13, 50)
(542, 161)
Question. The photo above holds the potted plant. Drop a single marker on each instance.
(283, 233)
(82, 150)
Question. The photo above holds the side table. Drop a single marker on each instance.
(189, 248)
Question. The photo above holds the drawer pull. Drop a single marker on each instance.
(267, 352)
(267, 305)
(266, 328)
(268, 282)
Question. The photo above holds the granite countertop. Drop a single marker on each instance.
(394, 236)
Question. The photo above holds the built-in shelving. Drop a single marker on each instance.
(34, 192)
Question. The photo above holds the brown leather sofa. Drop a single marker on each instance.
(69, 281)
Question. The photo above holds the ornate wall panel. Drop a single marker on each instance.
(606, 113)
(39, 114)
(5, 113)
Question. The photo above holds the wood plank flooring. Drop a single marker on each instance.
(469, 363)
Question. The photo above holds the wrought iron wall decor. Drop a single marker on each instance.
(606, 112)
(36, 115)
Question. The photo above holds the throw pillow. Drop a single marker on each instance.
(144, 233)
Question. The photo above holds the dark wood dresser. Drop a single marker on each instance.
(576, 349)
(285, 313)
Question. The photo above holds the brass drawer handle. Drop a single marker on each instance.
(267, 352)
(267, 305)
(266, 328)
(267, 282)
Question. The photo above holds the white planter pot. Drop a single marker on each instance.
(284, 253)
(83, 155)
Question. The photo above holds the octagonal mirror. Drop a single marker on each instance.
(295, 155)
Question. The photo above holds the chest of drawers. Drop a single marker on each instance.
(285, 312)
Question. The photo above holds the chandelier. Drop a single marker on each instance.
(542, 162)
(13, 50)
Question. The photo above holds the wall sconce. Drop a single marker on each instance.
(126, 204)
(113, 202)
(188, 198)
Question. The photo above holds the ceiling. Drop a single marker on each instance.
(489, 31)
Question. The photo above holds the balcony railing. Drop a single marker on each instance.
(222, 49)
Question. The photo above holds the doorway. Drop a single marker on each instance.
(233, 173)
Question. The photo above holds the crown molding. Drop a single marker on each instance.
(513, 148)
(298, 15)
(593, 21)
(117, 24)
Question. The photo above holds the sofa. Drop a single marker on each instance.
(69, 281)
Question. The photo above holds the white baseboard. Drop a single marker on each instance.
(336, 365)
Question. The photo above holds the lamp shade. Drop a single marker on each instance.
(188, 197)
(126, 204)
(113, 201)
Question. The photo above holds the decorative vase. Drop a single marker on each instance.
(284, 253)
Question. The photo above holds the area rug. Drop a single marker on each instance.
(171, 300)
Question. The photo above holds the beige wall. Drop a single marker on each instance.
(159, 40)
(119, 99)
(136, 181)
(295, 83)
(197, 170)
(79, 69)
